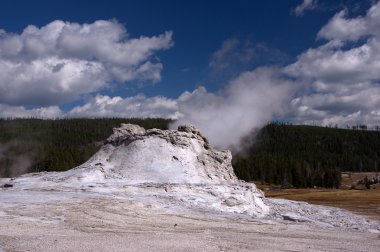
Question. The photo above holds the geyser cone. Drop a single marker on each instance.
(162, 156)
(164, 167)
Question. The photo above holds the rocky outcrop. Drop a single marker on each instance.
(163, 156)
(123, 132)
(177, 165)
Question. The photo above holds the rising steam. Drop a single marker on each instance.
(12, 163)
(247, 103)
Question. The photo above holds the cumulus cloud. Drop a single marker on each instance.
(52, 112)
(61, 61)
(248, 102)
(338, 108)
(345, 29)
(102, 106)
(304, 6)
(343, 74)
(333, 63)
(136, 106)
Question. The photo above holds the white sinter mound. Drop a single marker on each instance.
(178, 171)
(160, 167)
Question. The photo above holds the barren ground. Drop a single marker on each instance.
(80, 223)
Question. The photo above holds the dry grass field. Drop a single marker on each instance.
(364, 202)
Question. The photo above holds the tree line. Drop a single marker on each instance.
(289, 155)
(307, 156)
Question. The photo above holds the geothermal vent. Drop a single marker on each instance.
(165, 168)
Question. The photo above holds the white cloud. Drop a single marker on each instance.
(51, 112)
(342, 28)
(49, 80)
(136, 106)
(304, 6)
(343, 74)
(339, 65)
(247, 102)
(61, 61)
(341, 108)
(102, 106)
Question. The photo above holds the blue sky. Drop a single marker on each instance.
(165, 58)
(199, 28)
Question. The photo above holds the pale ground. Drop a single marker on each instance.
(59, 221)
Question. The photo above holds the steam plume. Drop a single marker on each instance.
(246, 103)
(17, 163)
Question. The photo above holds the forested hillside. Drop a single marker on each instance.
(307, 156)
(28, 145)
(300, 156)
